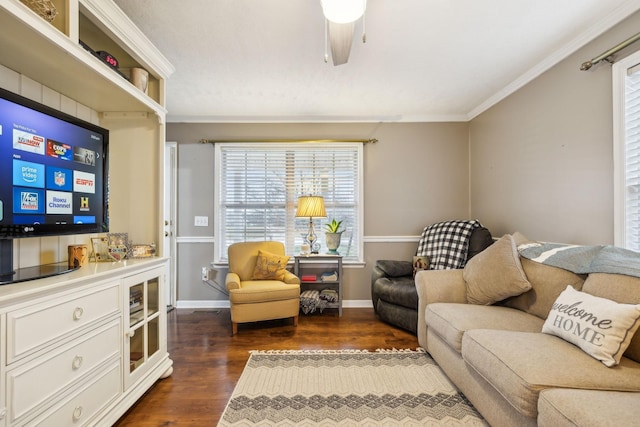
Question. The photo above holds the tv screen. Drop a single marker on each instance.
(53, 171)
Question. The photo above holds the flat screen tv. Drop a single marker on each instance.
(53, 173)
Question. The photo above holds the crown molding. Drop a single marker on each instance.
(113, 21)
(605, 24)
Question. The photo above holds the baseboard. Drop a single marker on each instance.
(351, 303)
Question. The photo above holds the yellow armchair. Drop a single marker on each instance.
(260, 287)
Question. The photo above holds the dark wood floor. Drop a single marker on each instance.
(208, 361)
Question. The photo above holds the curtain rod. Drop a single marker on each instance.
(604, 56)
(307, 141)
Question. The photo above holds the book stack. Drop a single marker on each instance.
(135, 304)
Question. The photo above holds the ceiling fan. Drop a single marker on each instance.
(341, 16)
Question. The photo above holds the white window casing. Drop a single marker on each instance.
(626, 152)
(258, 184)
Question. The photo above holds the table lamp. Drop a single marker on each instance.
(311, 206)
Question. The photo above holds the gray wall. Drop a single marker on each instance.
(542, 159)
(415, 175)
(539, 162)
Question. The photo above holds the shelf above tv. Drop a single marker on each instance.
(58, 61)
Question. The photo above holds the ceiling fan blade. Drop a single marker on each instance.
(340, 38)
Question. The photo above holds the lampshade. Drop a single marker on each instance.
(343, 11)
(311, 207)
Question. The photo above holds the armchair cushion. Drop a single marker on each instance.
(261, 291)
(270, 266)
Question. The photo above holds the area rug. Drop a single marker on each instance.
(346, 388)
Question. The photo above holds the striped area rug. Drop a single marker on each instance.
(346, 388)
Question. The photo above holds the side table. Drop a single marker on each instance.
(312, 267)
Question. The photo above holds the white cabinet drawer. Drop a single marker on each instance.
(80, 408)
(35, 326)
(33, 383)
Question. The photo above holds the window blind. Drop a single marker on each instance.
(259, 185)
(632, 160)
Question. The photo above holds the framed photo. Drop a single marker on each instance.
(118, 245)
(100, 249)
(118, 239)
(142, 251)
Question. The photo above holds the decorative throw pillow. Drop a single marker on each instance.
(495, 273)
(270, 266)
(601, 327)
(420, 263)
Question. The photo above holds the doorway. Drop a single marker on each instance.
(169, 234)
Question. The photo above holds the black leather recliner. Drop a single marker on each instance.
(393, 289)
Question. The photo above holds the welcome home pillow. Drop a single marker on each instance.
(601, 327)
(270, 266)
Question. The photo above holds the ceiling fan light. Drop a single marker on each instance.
(343, 11)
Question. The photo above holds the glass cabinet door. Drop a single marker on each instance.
(143, 331)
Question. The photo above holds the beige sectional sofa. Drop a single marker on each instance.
(483, 325)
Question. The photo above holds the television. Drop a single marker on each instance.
(53, 178)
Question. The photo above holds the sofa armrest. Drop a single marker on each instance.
(437, 286)
(232, 281)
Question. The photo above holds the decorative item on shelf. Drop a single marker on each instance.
(100, 249)
(308, 278)
(329, 295)
(311, 207)
(44, 8)
(142, 250)
(78, 255)
(305, 250)
(333, 236)
(105, 57)
(118, 245)
(329, 276)
(139, 77)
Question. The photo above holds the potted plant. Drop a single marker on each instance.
(333, 235)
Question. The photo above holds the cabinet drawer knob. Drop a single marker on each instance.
(77, 363)
(77, 313)
(77, 413)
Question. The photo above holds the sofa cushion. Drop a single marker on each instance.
(521, 364)
(270, 266)
(559, 407)
(601, 327)
(547, 282)
(450, 321)
(495, 273)
(619, 288)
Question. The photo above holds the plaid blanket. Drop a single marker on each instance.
(446, 243)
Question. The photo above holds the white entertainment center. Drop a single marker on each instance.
(82, 347)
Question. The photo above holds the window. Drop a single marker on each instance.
(258, 185)
(626, 90)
